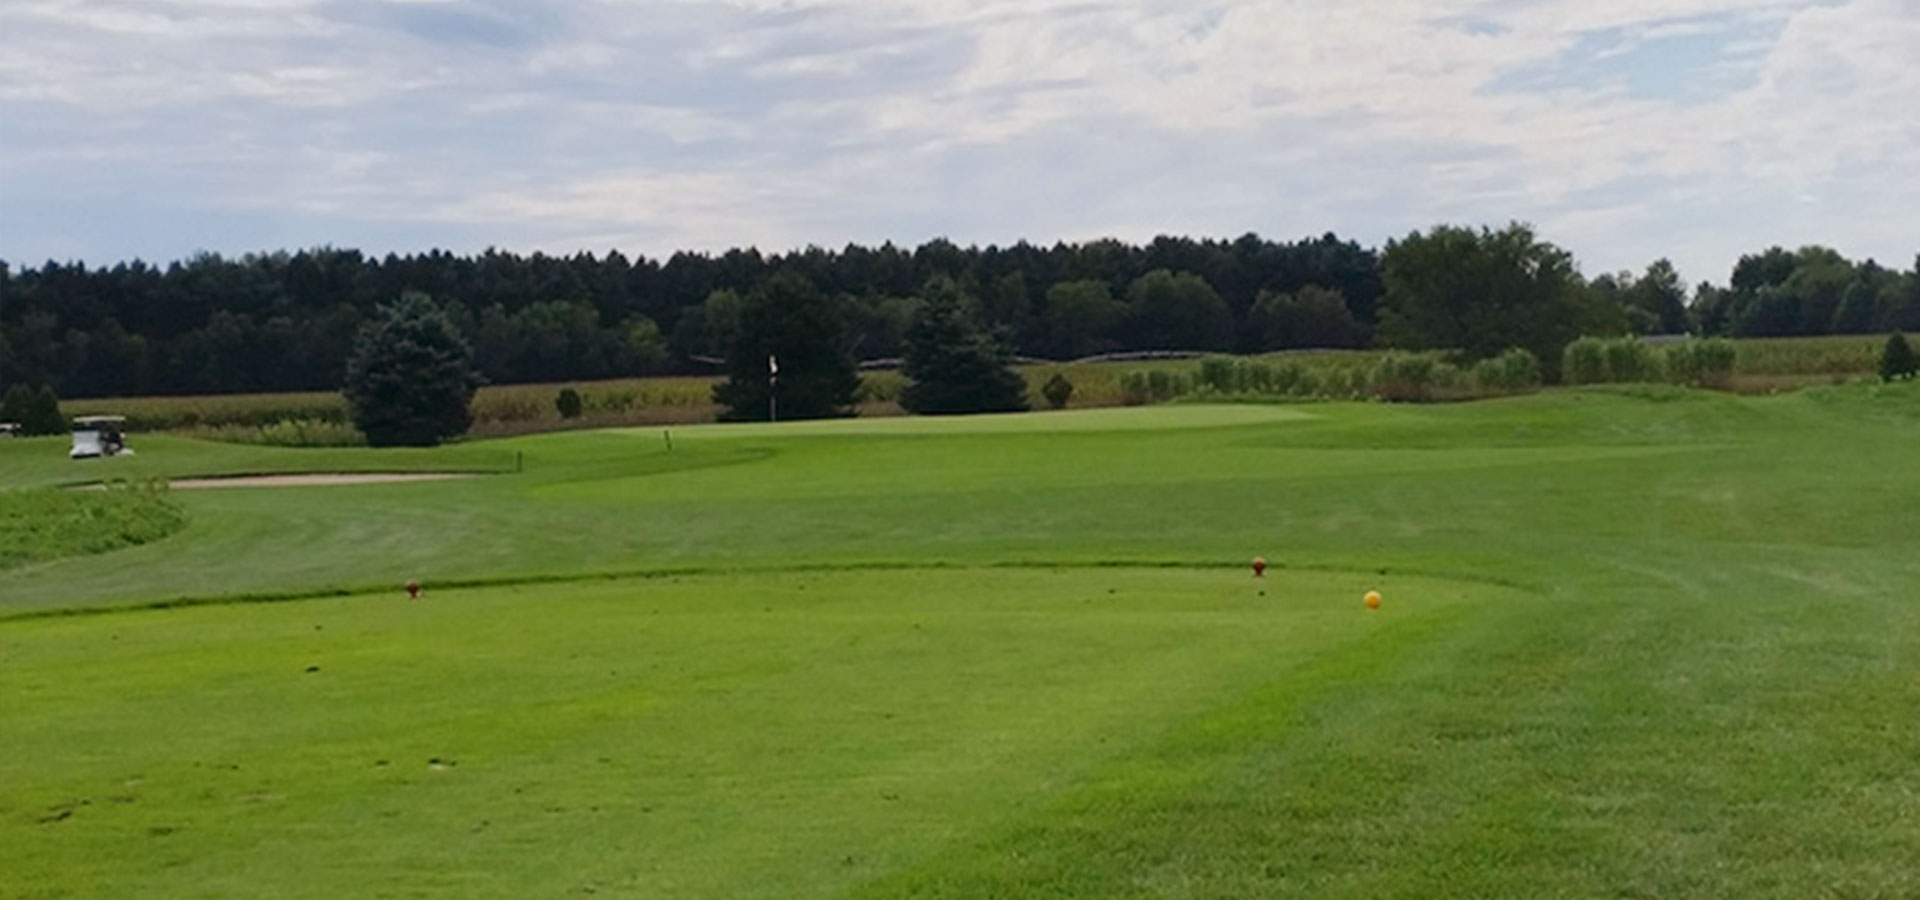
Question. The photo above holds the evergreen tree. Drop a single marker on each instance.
(411, 379)
(789, 320)
(17, 405)
(43, 414)
(1897, 361)
(36, 411)
(953, 364)
(1058, 390)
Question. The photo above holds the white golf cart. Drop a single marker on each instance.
(95, 437)
(9, 429)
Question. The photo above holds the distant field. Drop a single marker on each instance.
(1636, 642)
(1768, 365)
(505, 410)
(1765, 366)
(1842, 355)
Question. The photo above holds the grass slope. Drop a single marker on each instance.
(38, 526)
(1637, 643)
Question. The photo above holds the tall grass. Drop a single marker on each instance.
(214, 411)
(1836, 355)
(286, 433)
(37, 526)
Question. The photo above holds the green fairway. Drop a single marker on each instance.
(1641, 642)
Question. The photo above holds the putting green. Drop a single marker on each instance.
(1137, 418)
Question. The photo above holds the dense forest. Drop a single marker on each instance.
(287, 321)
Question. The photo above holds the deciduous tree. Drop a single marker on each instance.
(1178, 311)
(1482, 291)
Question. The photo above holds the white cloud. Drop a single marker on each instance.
(802, 121)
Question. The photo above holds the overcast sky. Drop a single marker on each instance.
(1625, 130)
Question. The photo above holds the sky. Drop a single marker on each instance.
(1624, 131)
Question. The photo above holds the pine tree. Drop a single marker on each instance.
(789, 320)
(1897, 361)
(411, 379)
(43, 415)
(1058, 390)
(35, 410)
(14, 407)
(953, 364)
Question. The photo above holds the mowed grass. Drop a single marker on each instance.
(1637, 642)
(759, 736)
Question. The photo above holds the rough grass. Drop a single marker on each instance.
(43, 525)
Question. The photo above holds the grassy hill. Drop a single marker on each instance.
(1636, 642)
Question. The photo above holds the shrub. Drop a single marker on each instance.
(1584, 361)
(1897, 361)
(1221, 375)
(1631, 360)
(1702, 362)
(1257, 377)
(1152, 386)
(1592, 360)
(568, 403)
(1058, 390)
(1408, 377)
(1513, 372)
(1296, 380)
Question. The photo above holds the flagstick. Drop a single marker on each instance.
(773, 388)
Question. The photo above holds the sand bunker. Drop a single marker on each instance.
(311, 480)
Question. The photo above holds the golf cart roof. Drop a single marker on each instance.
(90, 422)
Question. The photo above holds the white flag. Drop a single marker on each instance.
(773, 365)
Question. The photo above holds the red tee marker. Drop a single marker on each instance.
(413, 590)
(1259, 567)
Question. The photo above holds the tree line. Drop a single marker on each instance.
(288, 321)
